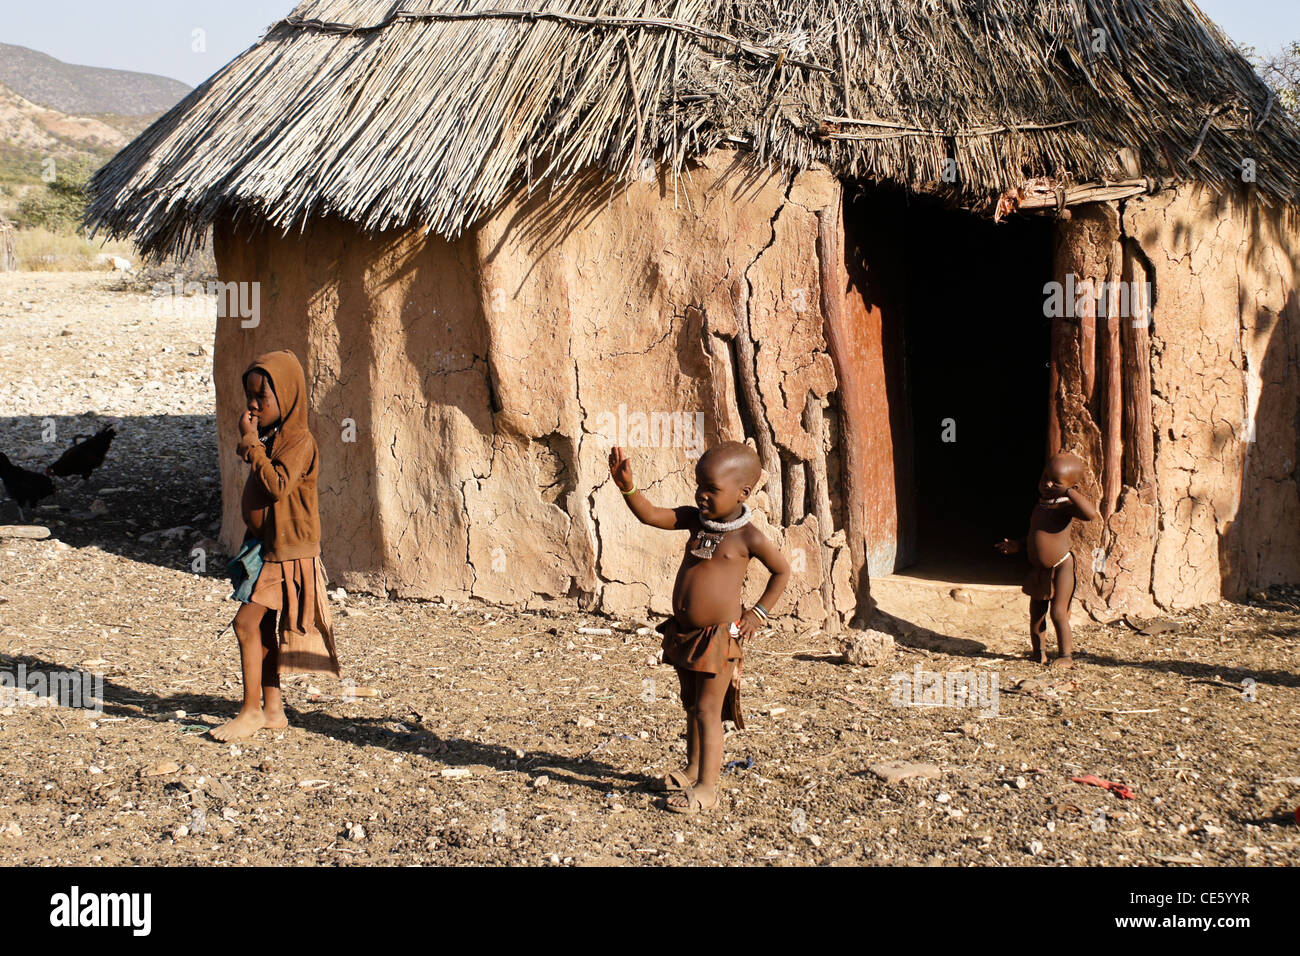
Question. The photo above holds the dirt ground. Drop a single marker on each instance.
(495, 737)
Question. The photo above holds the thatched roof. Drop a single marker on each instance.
(398, 112)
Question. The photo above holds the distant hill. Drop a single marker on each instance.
(25, 125)
(32, 137)
(84, 90)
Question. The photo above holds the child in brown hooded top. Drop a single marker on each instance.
(280, 512)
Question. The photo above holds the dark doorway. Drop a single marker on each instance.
(966, 299)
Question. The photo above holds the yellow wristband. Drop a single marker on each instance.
(632, 491)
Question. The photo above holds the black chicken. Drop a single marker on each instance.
(84, 457)
(23, 486)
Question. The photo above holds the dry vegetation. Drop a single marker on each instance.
(44, 250)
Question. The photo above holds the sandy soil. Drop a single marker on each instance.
(506, 738)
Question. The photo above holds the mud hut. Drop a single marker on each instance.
(906, 247)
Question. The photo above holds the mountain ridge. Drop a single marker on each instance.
(85, 90)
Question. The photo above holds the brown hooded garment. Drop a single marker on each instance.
(279, 502)
(285, 478)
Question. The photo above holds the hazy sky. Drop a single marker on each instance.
(157, 36)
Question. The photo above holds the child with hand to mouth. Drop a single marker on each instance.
(1051, 579)
(278, 569)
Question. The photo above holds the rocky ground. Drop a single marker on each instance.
(478, 735)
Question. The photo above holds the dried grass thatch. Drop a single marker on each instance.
(391, 113)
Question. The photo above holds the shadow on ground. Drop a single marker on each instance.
(131, 703)
(160, 474)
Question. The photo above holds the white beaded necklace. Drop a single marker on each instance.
(711, 532)
(746, 514)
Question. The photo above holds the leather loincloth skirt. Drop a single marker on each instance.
(706, 650)
(297, 590)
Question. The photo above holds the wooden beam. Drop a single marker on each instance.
(814, 425)
(1139, 441)
(1112, 410)
(752, 402)
(1085, 193)
(841, 343)
(1054, 388)
(1088, 343)
(794, 492)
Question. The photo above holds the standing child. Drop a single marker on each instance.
(1051, 579)
(703, 639)
(279, 567)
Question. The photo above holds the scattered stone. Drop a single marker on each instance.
(1155, 626)
(896, 771)
(34, 532)
(867, 648)
(165, 535)
(595, 631)
(209, 546)
(11, 830)
(455, 773)
(1046, 686)
(163, 769)
(584, 722)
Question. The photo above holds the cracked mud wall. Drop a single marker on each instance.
(484, 377)
(1223, 367)
(1188, 419)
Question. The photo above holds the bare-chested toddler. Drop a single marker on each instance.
(703, 639)
(1051, 578)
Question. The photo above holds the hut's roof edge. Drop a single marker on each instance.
(433, 113)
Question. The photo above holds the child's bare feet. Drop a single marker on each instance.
(273, 708)
(693, 800)
(1064, 662)
(245, 724)
(1038, 655)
